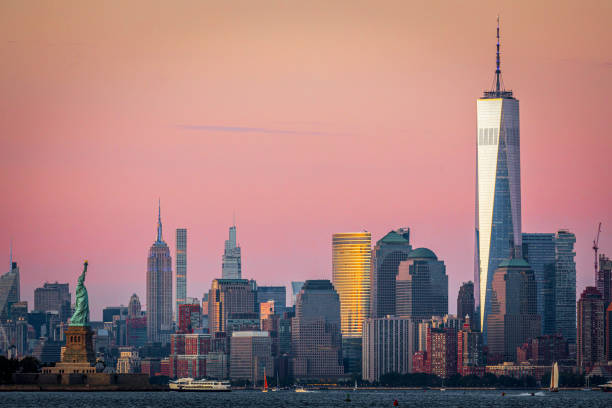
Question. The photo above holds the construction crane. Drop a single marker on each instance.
(596, 248)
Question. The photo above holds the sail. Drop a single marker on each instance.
(556, 375)
(265, 380)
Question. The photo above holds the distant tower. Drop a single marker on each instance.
(9, 288)
(134, 308)
(232, 263)
(465, 300)
(590, 346)
(181, 267)
(498, 187)
(351, 278)
(159, 289)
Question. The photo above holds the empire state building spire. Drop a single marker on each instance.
(159, 223)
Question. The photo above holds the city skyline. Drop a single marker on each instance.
(80, 211)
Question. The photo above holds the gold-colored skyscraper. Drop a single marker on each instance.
(352, 252)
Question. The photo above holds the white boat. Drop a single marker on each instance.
(355, 387)
(189, 384)
(301, 389)
(607, 387)
(554, 378)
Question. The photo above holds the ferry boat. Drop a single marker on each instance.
(189, 384)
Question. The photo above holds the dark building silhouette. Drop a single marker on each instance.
(389, 251)
(465, 301)
(513, 318)
(231, 298)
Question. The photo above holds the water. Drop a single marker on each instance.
(335, 399)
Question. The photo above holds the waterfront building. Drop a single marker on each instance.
(159, 289)
(228, 297)
(421, 286)
(181, 267)
(316, 339)
(251, 355)
(388, 346)
(389, 251)
(231, 266)
(276, 293)
(465, 301)
(134, 307)
(513, 318)
(590, 341)
(9, 290)
(608, 332)
(498, 186)
(470, 350)
(188, 355)
(518, 371)
(351, 262)
(295, 289)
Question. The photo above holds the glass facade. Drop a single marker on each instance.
(181, 267)
(351, 262)
(539, 251)
(565, 285)
(232, 262)
(498, 211)
(392, 249)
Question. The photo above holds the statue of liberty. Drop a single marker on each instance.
(80, 317)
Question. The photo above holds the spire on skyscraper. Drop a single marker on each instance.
(159, 223)
(497, 61)
(11, 256)
(497, 90)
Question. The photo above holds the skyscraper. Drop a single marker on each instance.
(181, 267)
(465, 301)
(564, 288)
(386, 257)
(134, 308)
(295, 289)
(498, 187)
(604, 279)
(227, 298)
(276, 293)
(590, 346)
(9, 290)
(421, 286)
(351, 261)
(316, 341)
(539, 252)
(232, 263)
(159, 289)
(54, 297)
(514, 316)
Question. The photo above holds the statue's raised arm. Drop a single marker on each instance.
(80, 317)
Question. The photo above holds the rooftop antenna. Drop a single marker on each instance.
(11, 255)
(596, 248)
(497, 62)
(159, 223)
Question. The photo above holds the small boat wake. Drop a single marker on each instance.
(529, 394)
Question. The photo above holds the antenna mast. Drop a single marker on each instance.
(497, 62)
(595, 249)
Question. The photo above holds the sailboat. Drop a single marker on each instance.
(265, 388)
(355, 387)
(587, 388)
(277, 385)
(554, 378)
(442, 388)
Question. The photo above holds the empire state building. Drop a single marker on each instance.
(498, 185)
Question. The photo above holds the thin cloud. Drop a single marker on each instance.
(240, 129)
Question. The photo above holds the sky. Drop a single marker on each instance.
(302, 118)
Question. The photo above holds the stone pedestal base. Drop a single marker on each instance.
(79, 345)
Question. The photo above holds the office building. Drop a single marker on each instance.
(513, 318)
(128, 362)
(181, 267)
(351, 262)
(295, 289)
(159, 289)
(498, 186)
(389, 251)
(543, 350)
(266, 309)
(316, 340)
(232, 263)
(251, 356)
(421, 286)
(465, 301)
(388, 346)
(9, 289)
(590, 341)
(608, 333)
(276, 293)
(54, 297)
(136, 331)
(112, 313)
(189, 317)
(228, 297)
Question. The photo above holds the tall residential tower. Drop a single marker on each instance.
(181, 268)
(498, 187)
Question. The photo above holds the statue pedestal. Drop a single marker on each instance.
(79, 345)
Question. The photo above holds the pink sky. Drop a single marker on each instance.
(305, 117)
